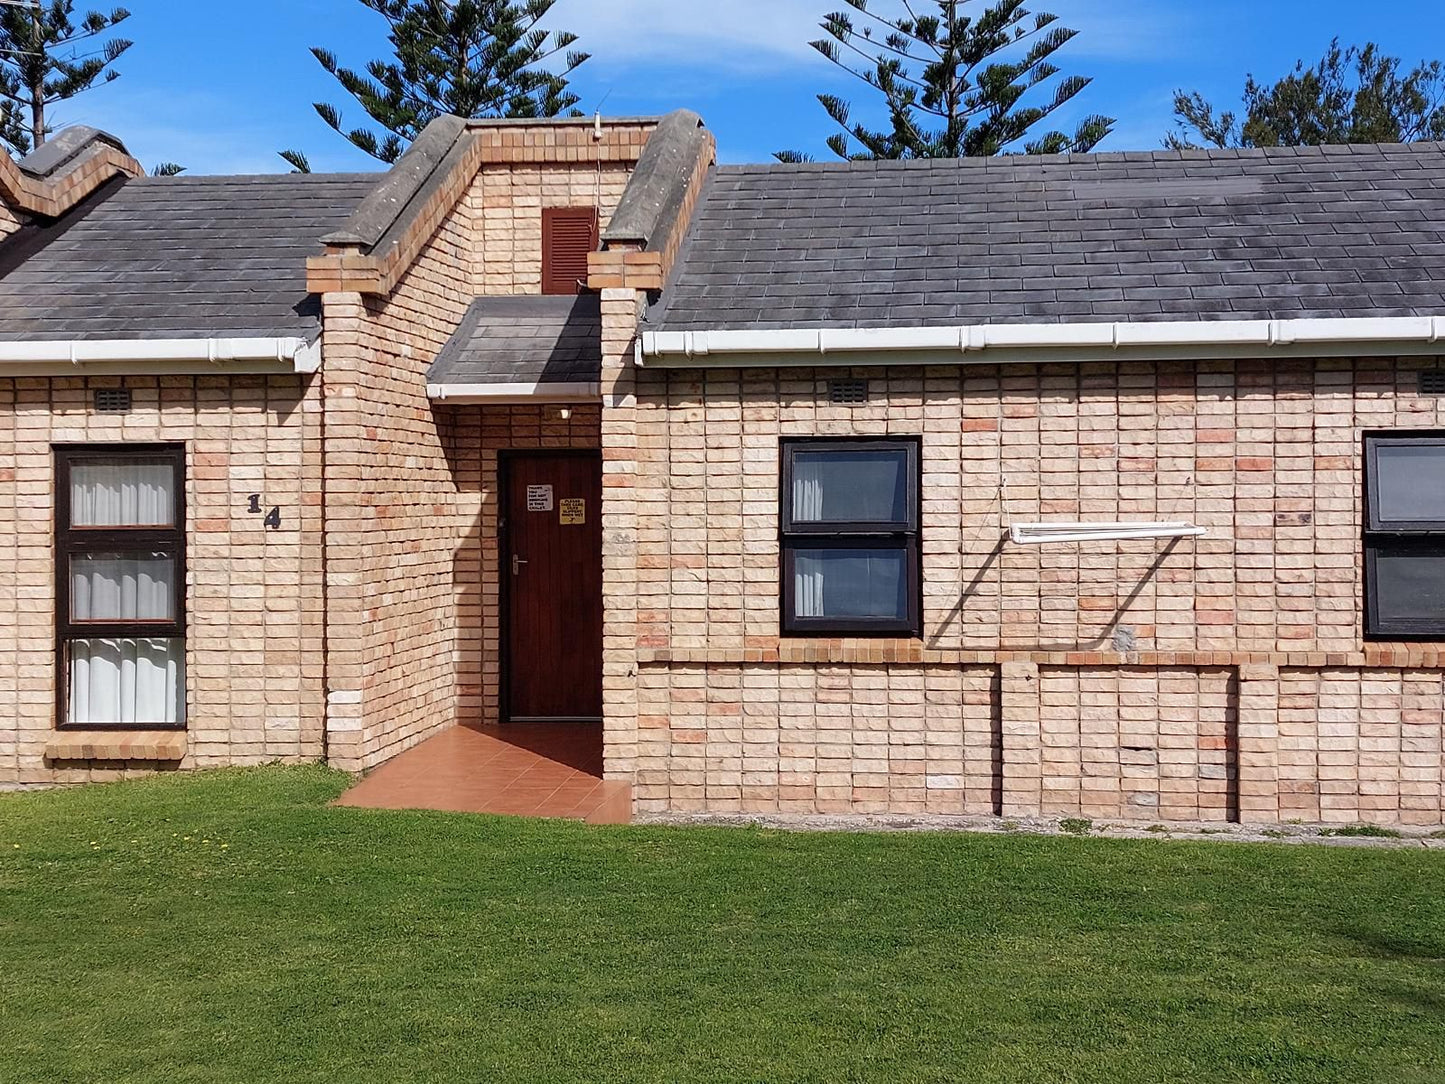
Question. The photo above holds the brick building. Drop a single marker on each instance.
(1103, 485)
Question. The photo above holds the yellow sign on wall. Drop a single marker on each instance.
(573, 511)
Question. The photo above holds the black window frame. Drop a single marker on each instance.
(71, 540)
(906, 534)
(1422, 538)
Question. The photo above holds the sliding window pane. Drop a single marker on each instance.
(122, 587)
(843, 584)
(126, 681)
(846, 486)
(122, 493)
(1409, 587)
(1409, 482)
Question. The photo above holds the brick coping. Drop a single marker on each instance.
(148, 745)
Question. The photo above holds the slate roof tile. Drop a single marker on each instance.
(1162, 235)
(524, 339)
(177, 257)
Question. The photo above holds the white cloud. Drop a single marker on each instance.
(733, 34)
(750, 35)
(206, 133)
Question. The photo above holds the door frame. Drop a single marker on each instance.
(504, 552)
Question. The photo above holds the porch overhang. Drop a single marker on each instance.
(519, 349)
(990, 344)
(514, 394)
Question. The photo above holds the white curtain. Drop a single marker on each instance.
(122, 495)
(807, 490)
(127, 681)
(807, 586)
(121, 587)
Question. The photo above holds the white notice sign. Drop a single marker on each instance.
(539, 498)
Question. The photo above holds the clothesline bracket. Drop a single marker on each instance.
(1042, 534)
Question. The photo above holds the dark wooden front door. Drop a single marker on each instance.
(552, 568)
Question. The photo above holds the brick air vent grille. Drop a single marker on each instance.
(847, 391)
(568, 235)
(112, 400)
(1432, 382)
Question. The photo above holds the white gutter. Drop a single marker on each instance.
(1030, 343)
(146, 356)
(515, 394)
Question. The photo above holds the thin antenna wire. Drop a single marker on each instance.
(597, 138)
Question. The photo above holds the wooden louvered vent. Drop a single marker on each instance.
(568, 234)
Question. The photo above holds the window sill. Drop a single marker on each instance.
(149, 745)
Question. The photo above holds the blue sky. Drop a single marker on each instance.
(221, 86)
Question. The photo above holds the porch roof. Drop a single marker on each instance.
(547, 347)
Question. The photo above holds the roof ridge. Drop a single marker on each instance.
(1162, 154)
(299, 178)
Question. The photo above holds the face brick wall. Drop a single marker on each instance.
(253, 595)
(1360, 746)
(826, 739)
(477, 434)
(1135, 743)
(1129, 673)
(506, 204)
(412, 550)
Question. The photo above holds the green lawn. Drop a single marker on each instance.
(231, 927)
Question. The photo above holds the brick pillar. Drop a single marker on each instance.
(620, 310)
(1258, 756)
(1022, 742)
(345, 355)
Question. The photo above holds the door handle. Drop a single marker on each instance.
(517, 564)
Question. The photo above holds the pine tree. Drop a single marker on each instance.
(1352, 95)
(46, 57)
(471, 58)
(953, 84)
(298, 161)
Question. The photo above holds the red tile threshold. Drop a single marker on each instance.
(521, 769)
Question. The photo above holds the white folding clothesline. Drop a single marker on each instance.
(1042, 534)
(1039, 534)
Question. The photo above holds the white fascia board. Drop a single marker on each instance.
(160, 356)
(514, 394)
(852, 340)
(1034, 343)
(1046, 336)
(1195, 333)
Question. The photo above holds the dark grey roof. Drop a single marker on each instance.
(524, 340)
(1197, 235)
(176, 257)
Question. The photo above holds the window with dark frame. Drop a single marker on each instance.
(850, 537)
(120, 585)
(1405, 535)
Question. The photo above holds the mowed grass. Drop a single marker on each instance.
(232, 927)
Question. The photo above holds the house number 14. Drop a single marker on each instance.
(273, 517)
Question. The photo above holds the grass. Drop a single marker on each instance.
(232, 927)
(1367, 831)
